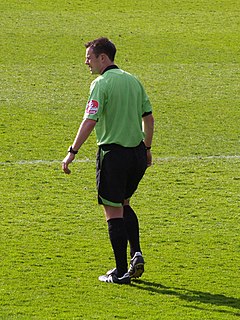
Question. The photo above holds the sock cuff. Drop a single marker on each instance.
(114, 221)
(127, 210)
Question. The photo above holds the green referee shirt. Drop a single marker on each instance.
(117, 102)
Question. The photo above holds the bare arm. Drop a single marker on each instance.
(148, 128)
(83, 133)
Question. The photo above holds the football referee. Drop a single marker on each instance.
(119, 110)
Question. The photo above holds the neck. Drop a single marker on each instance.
(106, 67)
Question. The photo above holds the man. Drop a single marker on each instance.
(121, 114)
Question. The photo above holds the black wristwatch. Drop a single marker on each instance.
(72, 151)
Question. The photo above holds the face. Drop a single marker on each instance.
(93, 62)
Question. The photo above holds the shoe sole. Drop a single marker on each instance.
(138, 270)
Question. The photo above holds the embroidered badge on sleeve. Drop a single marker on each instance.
(92, 107)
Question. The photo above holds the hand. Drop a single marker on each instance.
(66, 161)
(149, 158)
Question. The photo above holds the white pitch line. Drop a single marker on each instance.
(47, 162)
(155, 160)
(197, 158)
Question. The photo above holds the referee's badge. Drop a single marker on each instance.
(92, 107)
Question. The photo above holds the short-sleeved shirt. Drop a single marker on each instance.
(117, 101)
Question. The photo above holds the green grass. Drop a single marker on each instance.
(53, 237)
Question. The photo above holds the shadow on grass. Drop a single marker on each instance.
(219, 300)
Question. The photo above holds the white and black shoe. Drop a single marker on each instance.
(112, 277)
(136, 268)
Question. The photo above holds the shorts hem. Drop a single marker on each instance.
(106, 202)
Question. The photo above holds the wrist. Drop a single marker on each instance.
(148, 148)
(71, 150)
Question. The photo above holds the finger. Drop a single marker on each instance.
(65, 168)
(67, 171)
(149, 160)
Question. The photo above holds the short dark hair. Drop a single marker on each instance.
(102, 45)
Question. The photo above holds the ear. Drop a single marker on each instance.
(103, 57)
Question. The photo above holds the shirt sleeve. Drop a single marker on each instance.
(146, 107)
(95, 102)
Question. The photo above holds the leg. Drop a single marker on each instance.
(132, 228)
(118, 237)
(113, 212)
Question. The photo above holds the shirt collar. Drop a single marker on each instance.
(113, 66)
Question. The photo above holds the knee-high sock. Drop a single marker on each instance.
(118, 237)
(132, 228)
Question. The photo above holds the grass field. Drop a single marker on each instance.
(53, 237)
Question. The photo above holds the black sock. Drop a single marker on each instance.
(118, 238)
(132, 228)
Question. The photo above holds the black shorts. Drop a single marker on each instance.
(119, 171)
